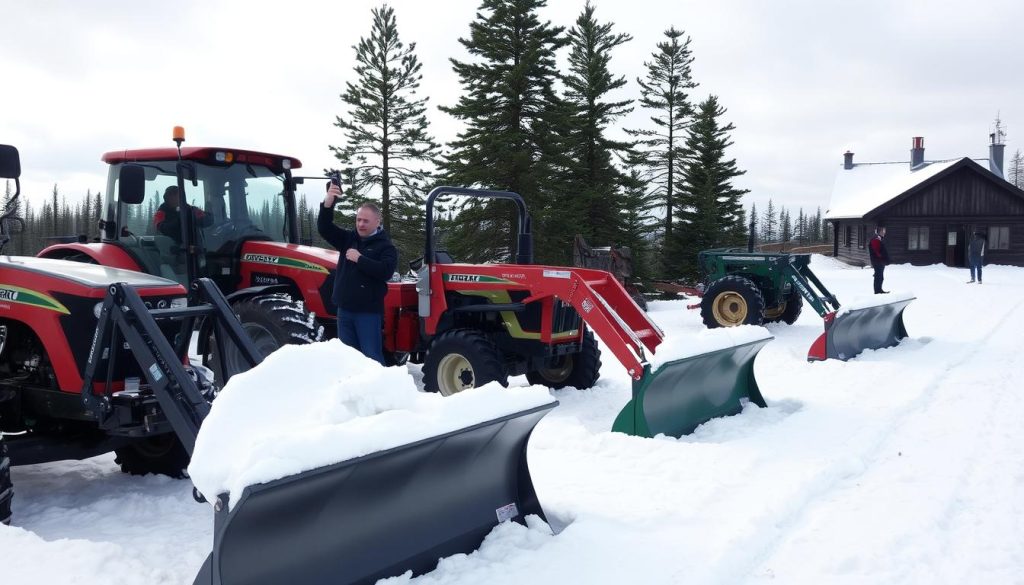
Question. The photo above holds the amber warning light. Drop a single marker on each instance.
(179, 134)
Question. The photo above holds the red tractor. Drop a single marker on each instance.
(72, 387)
(238, 227)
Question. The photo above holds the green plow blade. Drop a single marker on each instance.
(683, 394)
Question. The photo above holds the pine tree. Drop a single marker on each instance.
(709, 209)
(639, 223)
(770, 223)
(785, 226)
(1015, 173)
(661, 152)
(515, 125)
(385, 128)
(596, 180)
(753, 225)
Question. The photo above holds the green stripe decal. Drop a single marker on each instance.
(284, 262)
(24, 296)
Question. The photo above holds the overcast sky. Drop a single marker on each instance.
(803, 81)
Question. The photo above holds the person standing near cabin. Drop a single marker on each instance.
(976, 255)
(879, 258)
(367, 261)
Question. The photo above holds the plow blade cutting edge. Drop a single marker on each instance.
(381, 514)
(855, 330)
(680, 395)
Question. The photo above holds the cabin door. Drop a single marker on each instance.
(956, 245)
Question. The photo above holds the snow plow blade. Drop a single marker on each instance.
(855, 330)
(378, 515)
(681, 395)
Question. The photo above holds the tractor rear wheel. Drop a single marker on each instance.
(732, 300)
(578, 370)
(271, 321)
(6, 487)
(160, 454)
(461, 359)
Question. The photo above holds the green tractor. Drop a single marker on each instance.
(753, 288)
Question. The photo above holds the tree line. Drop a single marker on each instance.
(553, 135)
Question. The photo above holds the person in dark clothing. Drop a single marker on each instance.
(976, 255)
(167, 218)
(367, 261)
(879, 258)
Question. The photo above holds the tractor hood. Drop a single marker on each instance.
(90, 275)
(290, 255)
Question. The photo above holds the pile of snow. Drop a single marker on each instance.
(679, 345)
(307, 406)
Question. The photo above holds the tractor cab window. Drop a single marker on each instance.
(246, 202)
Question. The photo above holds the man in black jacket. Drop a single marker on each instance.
(879, 258)
(367, 261)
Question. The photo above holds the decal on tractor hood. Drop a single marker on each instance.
(481, 278)
(24, 296)
(283, 261)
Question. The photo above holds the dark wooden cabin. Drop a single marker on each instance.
(929, 210)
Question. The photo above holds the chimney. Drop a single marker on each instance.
(847, 160)
(995, 153)
(916, 152)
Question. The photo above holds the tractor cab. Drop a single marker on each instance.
(234, 196)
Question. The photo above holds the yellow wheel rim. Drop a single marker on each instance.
(558, 374)
(776, 312)
(730, 308)
(454, 374)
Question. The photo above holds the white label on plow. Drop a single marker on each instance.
(507, 512)
(556, 274)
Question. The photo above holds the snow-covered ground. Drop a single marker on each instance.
(900, 466)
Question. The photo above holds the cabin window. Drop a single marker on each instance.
(999, 238)
(848, 236)
(862, 235)
(917, 238)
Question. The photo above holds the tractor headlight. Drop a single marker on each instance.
(179, 303)
(97, 309)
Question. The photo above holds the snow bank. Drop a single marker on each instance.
(307, 406)
(868, 301)
(680, 344)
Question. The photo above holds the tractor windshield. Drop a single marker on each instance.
(231, 203)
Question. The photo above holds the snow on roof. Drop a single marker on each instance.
(866, 186)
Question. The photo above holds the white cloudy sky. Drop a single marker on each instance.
(803, 80)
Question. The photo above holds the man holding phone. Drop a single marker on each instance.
(367, 261)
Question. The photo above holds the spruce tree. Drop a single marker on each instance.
(1015, 173)
(661, 152)
(514, 132)
(638, 223)
(596, 181)
(387, 143)
(753, 224)
(770, 223)
(708, 207)
(785, 226)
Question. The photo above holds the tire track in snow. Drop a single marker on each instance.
(744, 557)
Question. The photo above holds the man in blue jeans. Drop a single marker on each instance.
(367, 261)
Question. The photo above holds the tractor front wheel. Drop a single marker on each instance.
(578, 370)
(160, 454)
(461, 359)
(732, 300)
(271, 321)
(794, 304)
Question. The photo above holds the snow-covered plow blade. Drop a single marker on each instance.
(678, 396)
(850, 331)
(378, 515)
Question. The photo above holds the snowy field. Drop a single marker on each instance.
(901, 466)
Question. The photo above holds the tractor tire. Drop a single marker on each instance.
(794, 305)
(461, 359)
(578, 370)
(160, 454)
(732, 300)
(6, 487)
(271, 321)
